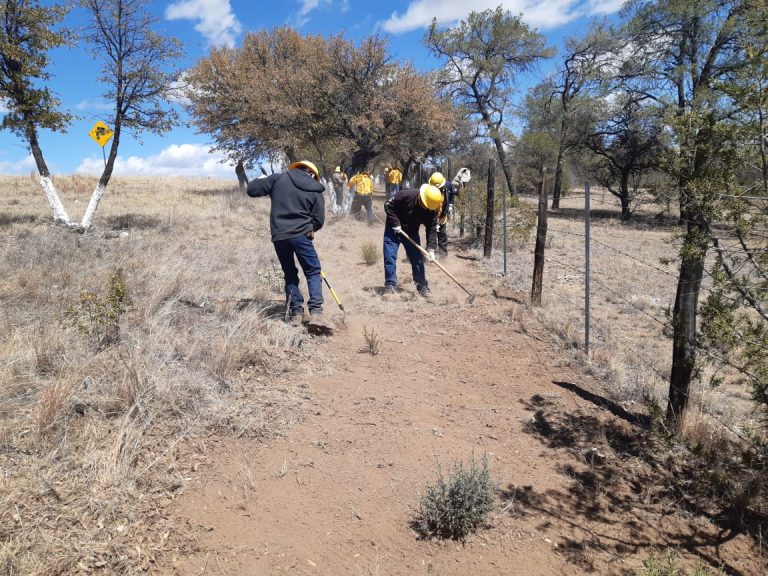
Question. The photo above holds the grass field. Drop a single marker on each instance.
(106, 409)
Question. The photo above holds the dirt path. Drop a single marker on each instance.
(336, 495)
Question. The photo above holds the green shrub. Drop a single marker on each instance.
(668, 565)
(458, 503)
(370, 253)
(98, 316)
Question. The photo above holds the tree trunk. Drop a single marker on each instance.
(60, 215)
(626, 213)
(489, 211)
(101, 187)
(242, 179)
(360, 160)
(556, 190)
(693, 255)
(541, 243)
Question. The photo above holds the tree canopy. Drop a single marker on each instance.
(345, 103)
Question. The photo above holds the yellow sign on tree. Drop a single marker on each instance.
(100, 133)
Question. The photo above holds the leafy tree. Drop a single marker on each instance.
(482, 57)
(628, 144)
(27, 33)
(133, 59)
(587, 61)
(685, 54)
(735, 314)
(538, 145)
(283, 93)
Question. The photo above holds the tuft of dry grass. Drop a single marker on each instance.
(370, 253)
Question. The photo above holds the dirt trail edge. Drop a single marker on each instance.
(336, 495)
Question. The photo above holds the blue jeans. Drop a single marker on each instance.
(392, 243)
(304, 249)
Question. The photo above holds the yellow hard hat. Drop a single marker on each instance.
(306, 164)
(437, 179)
(338, 169)
(430, 196)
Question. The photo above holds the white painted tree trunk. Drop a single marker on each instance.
(59, 214)
(92, 206)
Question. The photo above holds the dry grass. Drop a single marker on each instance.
(94, 443)
(631, 299)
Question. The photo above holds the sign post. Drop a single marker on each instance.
(101, 134)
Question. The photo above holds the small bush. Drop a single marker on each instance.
(370, 253)
(669, 566)
(98, 316)
(457, 504)
(372, 341)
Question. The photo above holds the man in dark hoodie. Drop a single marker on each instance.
(407, 211)
(297, 212)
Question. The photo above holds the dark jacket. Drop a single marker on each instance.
(447, 201)
(298, 206)
(404, 210)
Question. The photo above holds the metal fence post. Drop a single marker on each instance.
(586, 267)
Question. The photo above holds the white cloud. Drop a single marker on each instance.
(605, 6)
(307, 6)
(88, 105)
(216, 21)
(17, 166)
(537, 13)
(176, 160)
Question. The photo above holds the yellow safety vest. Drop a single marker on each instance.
(394, 176)
(362, 184)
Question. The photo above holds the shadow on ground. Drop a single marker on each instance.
(11, 219)
(133, 222)
(624, 485)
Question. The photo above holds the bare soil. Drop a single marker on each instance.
(580, 489)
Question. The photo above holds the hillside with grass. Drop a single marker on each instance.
(157, 415)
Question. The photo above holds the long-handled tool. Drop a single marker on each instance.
(436, 263)
(333, 293)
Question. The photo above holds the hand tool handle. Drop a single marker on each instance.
(333, 292)
(436, 263)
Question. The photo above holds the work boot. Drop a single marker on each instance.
(297, 319)
(318, 322)
(390, 289)
(423, 290)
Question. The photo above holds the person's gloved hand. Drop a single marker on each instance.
(397, 229)
(450, 209)
(431, 255)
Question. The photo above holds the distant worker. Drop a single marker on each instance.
(446, 189)
(394, 180)
(362, 185)
(406, 211)
(297, 212)
(339, 181)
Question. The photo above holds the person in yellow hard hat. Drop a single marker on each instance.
(407, 211)
(297, 212)
(339, 181)
(362, 185)
(446, 189)
(394, 179)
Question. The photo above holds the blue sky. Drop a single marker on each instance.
(200, 24)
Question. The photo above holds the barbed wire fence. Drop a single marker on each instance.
(609, 290)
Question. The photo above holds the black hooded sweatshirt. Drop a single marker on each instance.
(404, 210)
(298, 206)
